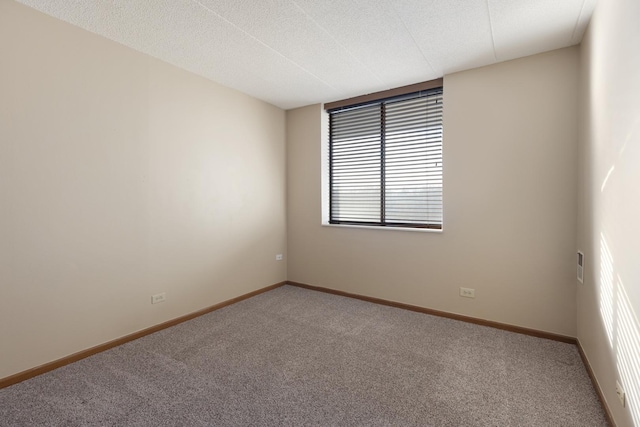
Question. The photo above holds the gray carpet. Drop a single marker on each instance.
(297, 357)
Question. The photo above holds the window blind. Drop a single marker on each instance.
(385, 162)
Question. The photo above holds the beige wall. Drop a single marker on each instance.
(609, 202)
(122, 177)
(510, 172)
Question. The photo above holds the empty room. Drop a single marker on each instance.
(320, 212)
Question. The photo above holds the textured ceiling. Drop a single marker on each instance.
(299, 52)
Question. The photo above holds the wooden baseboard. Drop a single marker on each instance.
(39, 370)
(468, 319)
(47, 367)
(498, 325)
(595, 383)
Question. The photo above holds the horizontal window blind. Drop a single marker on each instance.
(385, 162)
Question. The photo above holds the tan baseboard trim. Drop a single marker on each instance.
(468, 319)
(595, 383)
(39, 370)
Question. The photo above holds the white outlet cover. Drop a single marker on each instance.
(620, 393)
(157, 298)
(467, 292)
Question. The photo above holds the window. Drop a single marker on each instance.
(385, 161)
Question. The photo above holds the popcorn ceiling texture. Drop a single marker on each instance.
(297, 357)
(293, 53)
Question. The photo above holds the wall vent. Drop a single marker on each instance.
(580, 267)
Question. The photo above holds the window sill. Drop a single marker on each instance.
(372, 227)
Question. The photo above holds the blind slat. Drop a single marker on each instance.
(386, 162)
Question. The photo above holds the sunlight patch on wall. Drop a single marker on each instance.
(622, 329)
(606, 288)
(606, 178)
(628, 351)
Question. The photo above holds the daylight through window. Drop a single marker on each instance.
(385, 162)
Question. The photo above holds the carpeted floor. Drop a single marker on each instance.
(297, 357)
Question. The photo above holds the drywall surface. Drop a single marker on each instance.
(510, 191)
(122, 177)
(609, 203)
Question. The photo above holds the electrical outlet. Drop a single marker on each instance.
(279, 257)
(155, 299)
(620, 393)
(467, 292)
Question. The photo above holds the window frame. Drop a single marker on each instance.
(424, 90)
